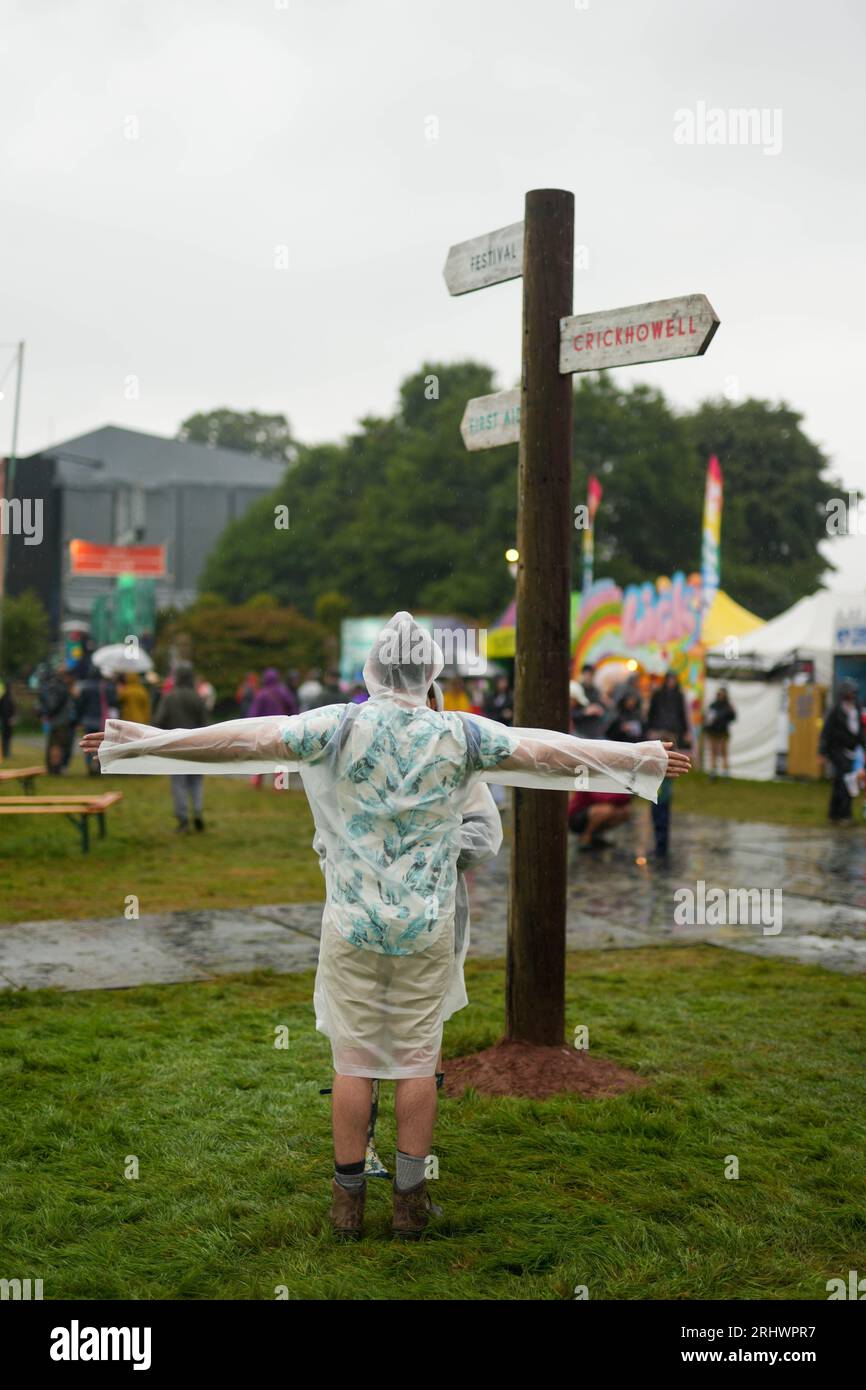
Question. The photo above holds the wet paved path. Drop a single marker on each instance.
(613, 903)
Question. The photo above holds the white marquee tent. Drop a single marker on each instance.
(813, 629)
(807, 630)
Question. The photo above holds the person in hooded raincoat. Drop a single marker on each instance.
(388, 782)
(480, 841)
(133, 699)
(272, 697)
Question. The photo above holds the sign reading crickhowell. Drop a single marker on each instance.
(653, 332)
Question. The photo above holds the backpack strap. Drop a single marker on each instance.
(473, 738)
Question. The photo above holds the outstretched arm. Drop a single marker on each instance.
(262, 744)
(233, 741)
(546, 758)
(565, 754)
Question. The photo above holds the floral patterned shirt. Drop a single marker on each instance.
(386, 784)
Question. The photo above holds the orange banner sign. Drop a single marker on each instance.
(107, 561)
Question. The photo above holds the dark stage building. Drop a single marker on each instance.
(120, 486)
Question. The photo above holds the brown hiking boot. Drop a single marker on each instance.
(412, 1210)
(347, 1211)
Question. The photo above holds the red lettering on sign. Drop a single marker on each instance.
(691, 324)
(642, 332)
(608, 333)
(619, 337)
(629, 334)
(669, 328)
(657, 328)
(576, 343)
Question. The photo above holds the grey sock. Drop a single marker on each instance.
(350, 1175)
(410, 1170)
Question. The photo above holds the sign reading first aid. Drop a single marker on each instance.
(492, 420)
(653, 332)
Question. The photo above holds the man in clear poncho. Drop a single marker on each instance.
(480, 841)
(388, 782)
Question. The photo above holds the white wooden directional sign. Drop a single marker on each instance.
(491, 420)
(641, 333)
(485, 260)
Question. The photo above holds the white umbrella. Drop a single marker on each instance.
(120, 657)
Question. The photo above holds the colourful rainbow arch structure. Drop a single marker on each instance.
(598, 632)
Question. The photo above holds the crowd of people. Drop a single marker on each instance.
(272, 693)
(624, 711)
(70, 701)
(81, 699)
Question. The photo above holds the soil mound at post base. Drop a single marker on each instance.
(535, 1072)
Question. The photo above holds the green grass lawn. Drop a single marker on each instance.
(628, 1195)
(780, 803)
(255, 849)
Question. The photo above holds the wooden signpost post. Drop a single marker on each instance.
(535, 961)
(555, 345)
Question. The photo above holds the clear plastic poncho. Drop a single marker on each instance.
(389, 783)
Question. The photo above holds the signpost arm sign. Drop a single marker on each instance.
(491, 420)
(654, 332)
(485, 260)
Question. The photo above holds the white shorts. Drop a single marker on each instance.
(383, 1014)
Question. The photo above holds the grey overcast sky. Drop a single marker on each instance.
(157, 152)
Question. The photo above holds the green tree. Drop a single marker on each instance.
(775, 493)
(649, 522)
(330, 610)
(249, 430)
(399, 515)
(25, 634)
(226, 641)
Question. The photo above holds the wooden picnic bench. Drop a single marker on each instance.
(77, 809)
(25, 775)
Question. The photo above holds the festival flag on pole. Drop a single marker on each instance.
(711, 535)
(593, 497)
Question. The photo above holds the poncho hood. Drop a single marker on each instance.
(403, 661)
